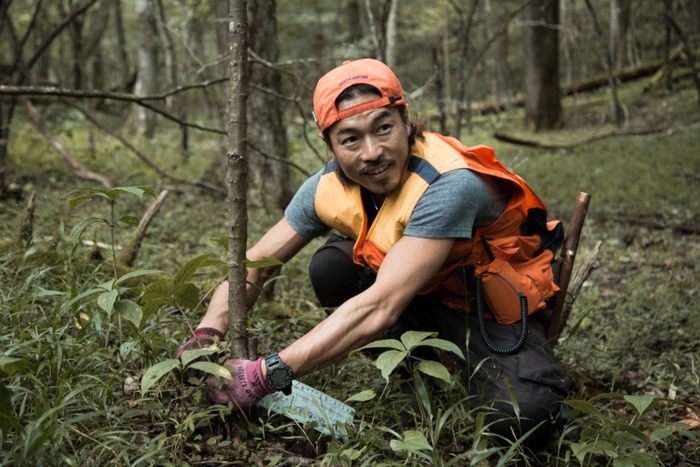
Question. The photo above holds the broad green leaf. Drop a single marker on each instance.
(383, 344)
(642, 459)
(642, 403)
(659, 435)
(434, 369)
(187, 295)
(213, 369)
(412, 441)
(134, 190)
(362, 396)
(190, 355)
(141, 272)
(11, 365)
(106, 300)
(444, 345)
(623, 462)
(388, 360)
(87, 293)
(222, 240)
(156, 372)
(585, 407)
(130, 220)
(189, 269)
(262, 263)
(130, 311)
(411, 339)
(80, 226)
(47, 293)
(159, 290)
(635, 433)
(77, 201)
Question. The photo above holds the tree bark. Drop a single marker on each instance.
(121, 44)
(466, 21)
(543, 109)
(236, 176)
(143, 121)
(392, 34)
(270, 178)
(373, 30)
(617, 108)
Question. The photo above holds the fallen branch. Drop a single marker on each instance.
(555, 145)
(140, 155)
(580, 276)
(26, 226)
(129, 253)
(37, 120)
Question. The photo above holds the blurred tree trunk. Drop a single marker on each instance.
(619, 26)
(76, 42)
(567, 22)
(121, 45)
(172, 103)
(143, 121)
(373, 29)
(543, 109)
(466, 21)
(617, 108)
(392, 34)
(269, 175)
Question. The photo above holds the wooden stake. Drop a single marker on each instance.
(567, 257)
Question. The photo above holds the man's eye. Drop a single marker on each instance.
(348, 140)
(384, 128)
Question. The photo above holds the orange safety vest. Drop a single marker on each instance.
(519, 246)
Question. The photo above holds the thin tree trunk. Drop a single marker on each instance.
(392, 34)
(623, 33)
(688, 51)
(121, 43)
(440, 93)
(237, 174)
(543, 109)
(270, 178)
(172, 103)
(373, 29)
(466, 20)
(617, 108)
(143, 121)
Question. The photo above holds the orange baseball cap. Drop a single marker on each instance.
(351, 72)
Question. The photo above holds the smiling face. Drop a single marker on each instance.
(371, 147)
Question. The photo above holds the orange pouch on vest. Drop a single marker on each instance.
(503, 301)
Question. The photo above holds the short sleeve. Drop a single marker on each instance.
(454, 205)
(301, 211)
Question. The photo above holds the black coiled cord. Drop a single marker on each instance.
(482, 326)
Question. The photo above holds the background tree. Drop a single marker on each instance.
(543, 110)
(143, 121)
(269, 172)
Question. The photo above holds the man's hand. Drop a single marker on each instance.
(247, 387)
(203, 337)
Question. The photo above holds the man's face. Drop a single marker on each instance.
(371, 147)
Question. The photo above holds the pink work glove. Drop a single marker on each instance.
(203, 337)
(247, 387)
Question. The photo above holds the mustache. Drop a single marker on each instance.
(373, 165)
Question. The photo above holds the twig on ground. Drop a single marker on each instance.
(128, 255)
(26, 226)
(38, 121)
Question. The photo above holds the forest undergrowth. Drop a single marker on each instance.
(79, 335)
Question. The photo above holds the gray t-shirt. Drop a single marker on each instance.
(451, 207)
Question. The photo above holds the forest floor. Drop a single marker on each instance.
(70, 371)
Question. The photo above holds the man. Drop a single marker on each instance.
(430, 229)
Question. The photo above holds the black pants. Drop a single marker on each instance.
(533, 374)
